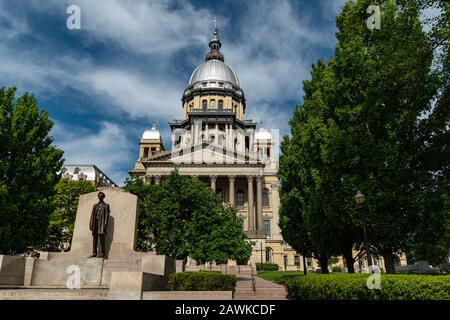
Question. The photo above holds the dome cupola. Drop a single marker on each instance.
(151, 134)
(213, 85)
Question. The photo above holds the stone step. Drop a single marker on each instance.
(261, 293)
(251, 297)
(53, 294)
(260, 288)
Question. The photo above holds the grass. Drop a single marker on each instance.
(278, 276)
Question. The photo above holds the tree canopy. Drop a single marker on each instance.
(182, 217)
(375, 118)
(62, 219)
(28, 172)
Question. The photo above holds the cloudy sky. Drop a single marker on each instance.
(130, 62)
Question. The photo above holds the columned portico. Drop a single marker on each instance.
(213, 182)
(231, 180)
(251, 218)
(259, 206)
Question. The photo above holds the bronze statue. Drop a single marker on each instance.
(98, 224)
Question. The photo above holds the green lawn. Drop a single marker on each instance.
(277, 275)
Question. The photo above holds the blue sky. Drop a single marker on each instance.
(131, 60)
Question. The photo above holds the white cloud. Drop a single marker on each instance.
(331, 8)
(271, 54)
(109, 148)
(145, 26)
(136, 95)
(274, 55)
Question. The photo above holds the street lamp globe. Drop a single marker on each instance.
(360, 198)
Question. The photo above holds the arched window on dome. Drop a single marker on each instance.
(204, 105)
(212, 104)
(220, 105)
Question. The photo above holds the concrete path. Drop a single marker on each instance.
(265, 290)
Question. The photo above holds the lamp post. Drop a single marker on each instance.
(261, 252)
(360, 199)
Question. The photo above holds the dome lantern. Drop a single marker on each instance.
(215, 46)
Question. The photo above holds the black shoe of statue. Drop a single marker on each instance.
(101, 255)
(94, 255)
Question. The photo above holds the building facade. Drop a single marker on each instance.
(214, 142)
(87, 172)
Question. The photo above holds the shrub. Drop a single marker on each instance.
(336, 269)
(266, 267)
(353, 287)
(201, 281)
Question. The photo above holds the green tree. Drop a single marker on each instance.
(375, 118)
(28, 172)
(183, 217)
(62, 220)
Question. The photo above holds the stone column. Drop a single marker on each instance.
(259, 207)
(231, 180)
(157, 179)
(213, 182)
(148, 179)
(251, 218)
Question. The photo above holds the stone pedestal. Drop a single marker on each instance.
(122, 262)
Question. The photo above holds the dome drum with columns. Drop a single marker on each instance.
(215, 143)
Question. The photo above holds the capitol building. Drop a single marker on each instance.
(214, 142)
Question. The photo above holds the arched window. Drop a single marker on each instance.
(265, 197)
(212, 104)
(204, 105)
(220, 105)
(268, 255)
(239, 198)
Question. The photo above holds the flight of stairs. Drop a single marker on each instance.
(265, 290)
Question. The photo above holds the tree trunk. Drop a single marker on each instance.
(305, 267)
(389, 262)
(350, 261)
(324, 264)
(184, 264)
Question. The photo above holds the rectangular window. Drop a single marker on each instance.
(266, 228)
(297, 261)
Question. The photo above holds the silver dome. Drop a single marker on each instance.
(214, 70)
